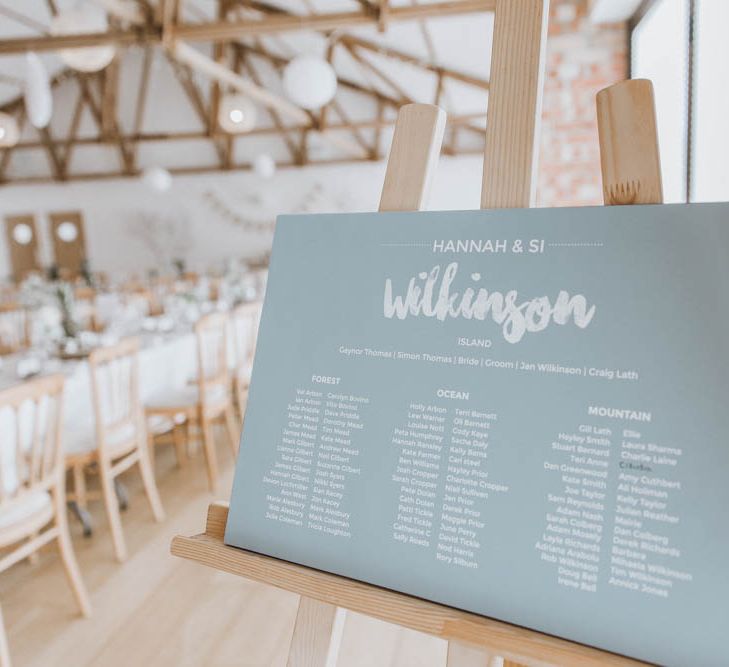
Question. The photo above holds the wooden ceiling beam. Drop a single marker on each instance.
(256, 132)
(54, 159)
(216, 31)
(280, 23)
(187, 171)
(296, 155)
(389, 52)
(73, 131)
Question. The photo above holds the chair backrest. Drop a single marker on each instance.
(115, 389)
(211, 332)
(14, 328)
(31, 452)
(245, 319)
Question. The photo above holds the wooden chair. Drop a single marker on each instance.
(244, 320)
(121, 437)
(14, 328)
(32, 482)
(209, 398)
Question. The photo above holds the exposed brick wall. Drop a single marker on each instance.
(582, 58)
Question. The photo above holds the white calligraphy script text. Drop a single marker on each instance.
(430, 300)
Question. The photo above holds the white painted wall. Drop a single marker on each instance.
(186, 224)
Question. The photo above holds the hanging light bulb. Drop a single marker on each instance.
(236, 114)
(310, 82)
(84, 18)
(9, 130)
(157, 178)
(38, 96)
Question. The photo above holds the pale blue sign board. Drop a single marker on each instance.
(519, 413)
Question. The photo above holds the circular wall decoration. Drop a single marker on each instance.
(67, 232)
(22, 234)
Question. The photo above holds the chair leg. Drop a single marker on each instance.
(180, 446)
(233, 433)
(80, 504)
(112, 510)
(34, 558)
(151, 449)
(69, 560)
(211, 457)
(150, 486)
(4, 650)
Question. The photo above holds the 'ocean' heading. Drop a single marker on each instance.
(425, 297)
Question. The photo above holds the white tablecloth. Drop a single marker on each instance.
(165, 364)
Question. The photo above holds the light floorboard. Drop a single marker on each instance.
(162, 611)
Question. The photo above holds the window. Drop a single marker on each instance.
(659, 52)
(681, 45)
(710, 157)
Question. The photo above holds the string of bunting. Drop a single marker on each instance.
(224, 211)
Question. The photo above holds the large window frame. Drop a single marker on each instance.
(690, 44)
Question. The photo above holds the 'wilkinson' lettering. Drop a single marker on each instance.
(426, 298)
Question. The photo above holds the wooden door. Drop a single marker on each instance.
(69, 242)
(22, 237)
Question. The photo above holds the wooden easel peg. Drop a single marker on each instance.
(629, 157)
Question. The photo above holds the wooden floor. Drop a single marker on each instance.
(156, 610)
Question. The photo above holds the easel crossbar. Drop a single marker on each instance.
(513, 642)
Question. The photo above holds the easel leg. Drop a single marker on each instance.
(465, 655)
(317, 634)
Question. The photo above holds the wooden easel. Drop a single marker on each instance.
(630, 165)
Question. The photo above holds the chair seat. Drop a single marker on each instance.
(78, 443)
(185, 398)
(24, 507)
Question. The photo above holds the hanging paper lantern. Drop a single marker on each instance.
(264, 166)
(157, 178)
(310, 82)
(38, 96)
(236, 114)
(9, 130)
(84, 18)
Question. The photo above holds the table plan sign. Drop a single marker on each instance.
(518, 413)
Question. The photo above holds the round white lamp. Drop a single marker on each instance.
(310, 82)
(157, 178)
(38, 96)
(9, 131)
(236, 114)
(84, 18)
(264, 166)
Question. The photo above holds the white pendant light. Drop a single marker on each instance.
(264, 166)
(236, 114)
(157, 178)
(310, 82)
(38, 96)
(84, 18)
(9, 130)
